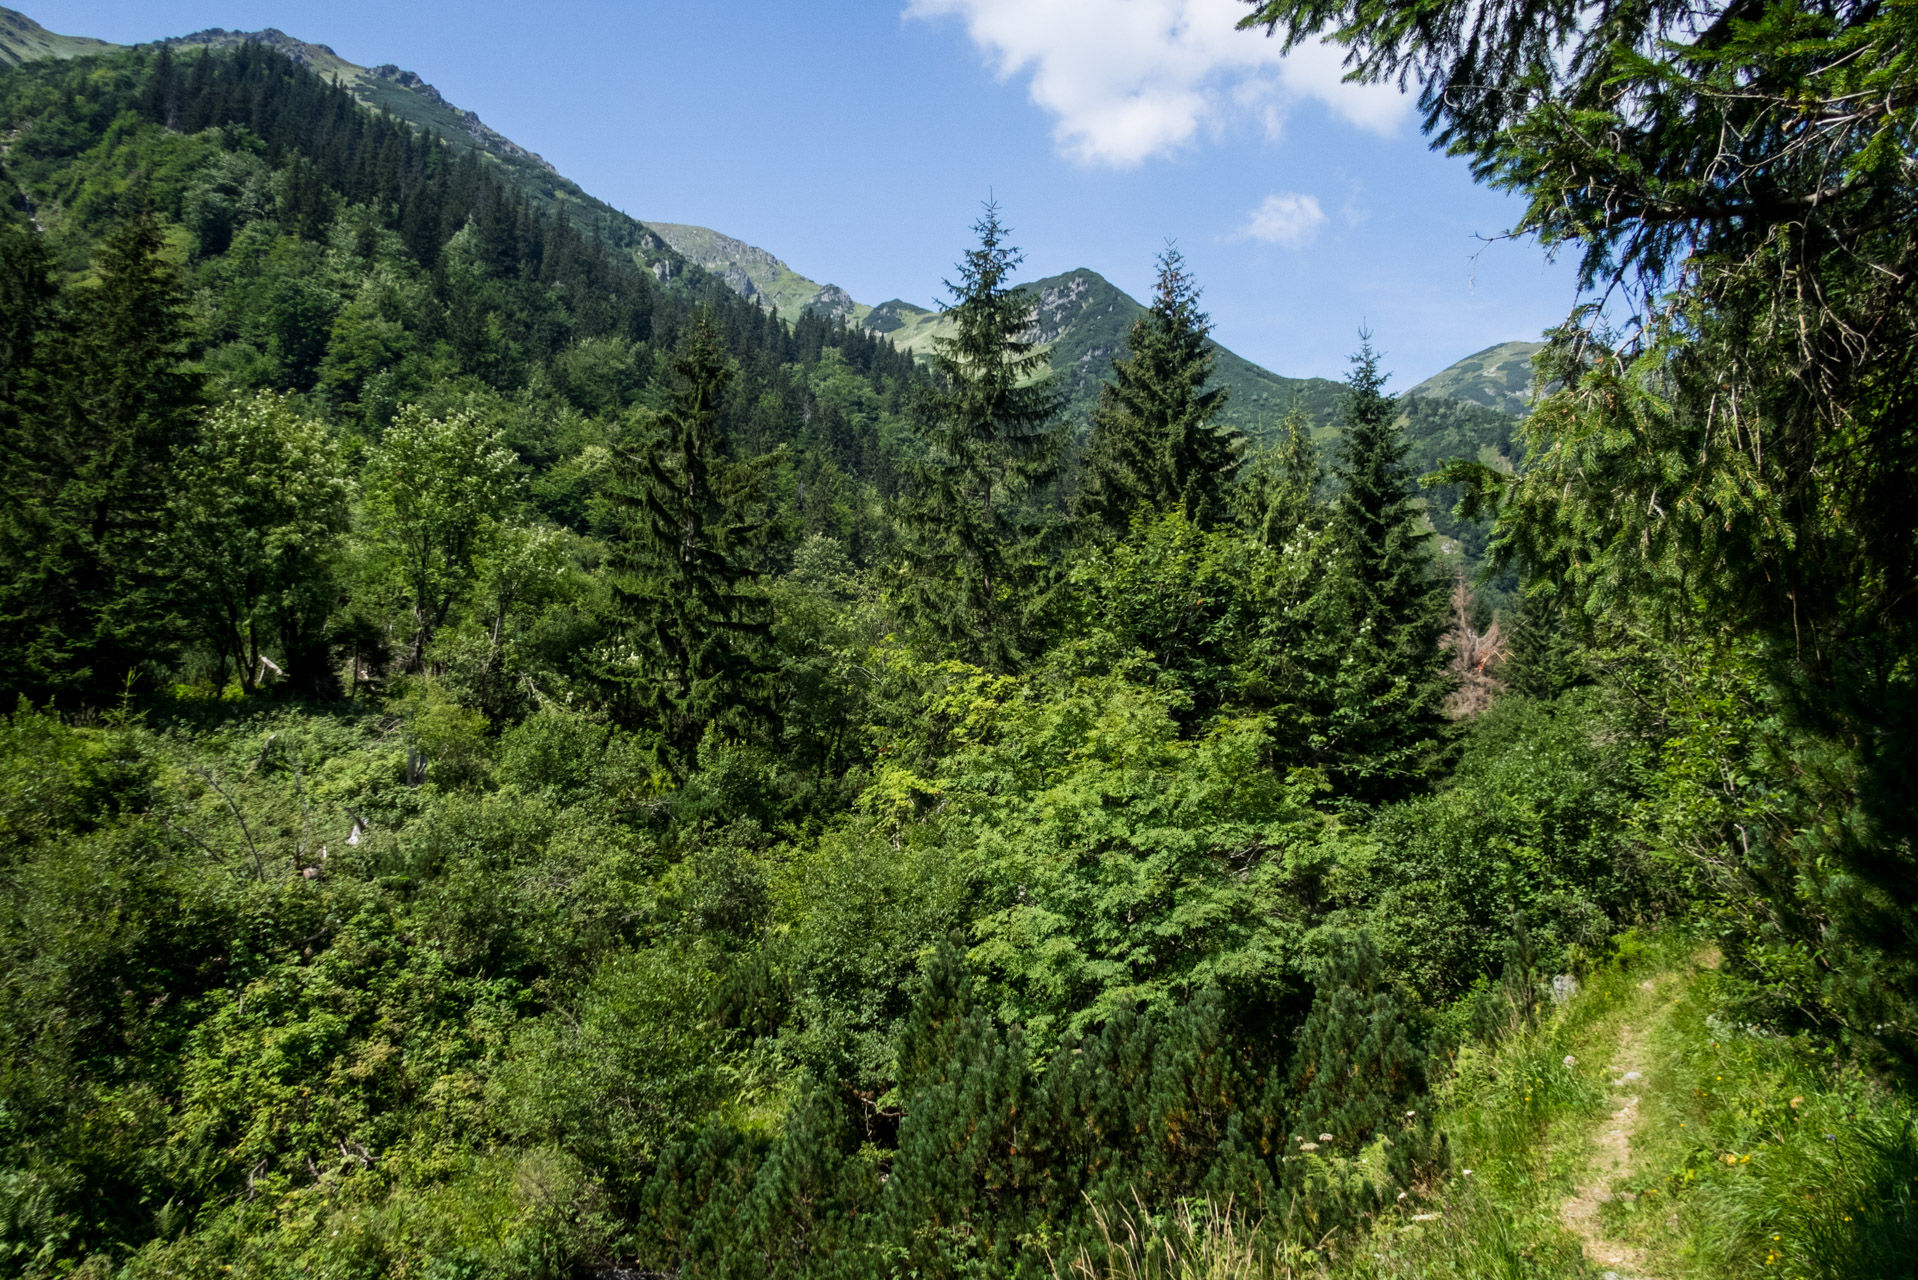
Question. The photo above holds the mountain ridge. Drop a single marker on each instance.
(1081, 318)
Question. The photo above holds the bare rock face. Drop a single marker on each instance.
(316, 56)
(832, 302)
(1059, 305)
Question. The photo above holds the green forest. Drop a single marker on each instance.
(518, 762)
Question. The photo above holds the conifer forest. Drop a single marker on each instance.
(520, 762)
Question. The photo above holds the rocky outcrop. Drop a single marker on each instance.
(406, 80)
(832, 302)
(319, 57)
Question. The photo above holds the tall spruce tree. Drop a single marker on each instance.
(97, 412)
(1376, 675)
(1155, 443)
(989, 424)
(686, 583)
(1543, 657)
(29, 347)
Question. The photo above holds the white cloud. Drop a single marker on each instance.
(1287, 218)
(1131, 79)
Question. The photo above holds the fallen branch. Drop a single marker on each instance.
(259, 864)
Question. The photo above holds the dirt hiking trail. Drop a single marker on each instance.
(1611, 1157)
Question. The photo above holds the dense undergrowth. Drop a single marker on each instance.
(261, 990)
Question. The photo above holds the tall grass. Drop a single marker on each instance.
(1197, 1240)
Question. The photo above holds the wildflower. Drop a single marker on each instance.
(1570, 1061)
(1308, 1146)
(1795, 1102)
(1410, 1114)
(1402, 1196)
(1325, 1137)
(1468, 1173)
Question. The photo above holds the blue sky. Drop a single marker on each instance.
(856, 140)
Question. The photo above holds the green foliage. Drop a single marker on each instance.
(624, 1072)
(1205, 616)
(1277, 500)
(262, 501)
(435, 489)
(1355, 1064)
(746, 842)
(1725, 458)
(103, 406)
(1534, 825)
(1374, 674)
(1123, 865)
(1543, 659)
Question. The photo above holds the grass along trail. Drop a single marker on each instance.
(1642, 1131)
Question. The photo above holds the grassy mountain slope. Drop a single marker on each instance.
(1498, 377)
(24, 40)
(407, 97)
(756, 274)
